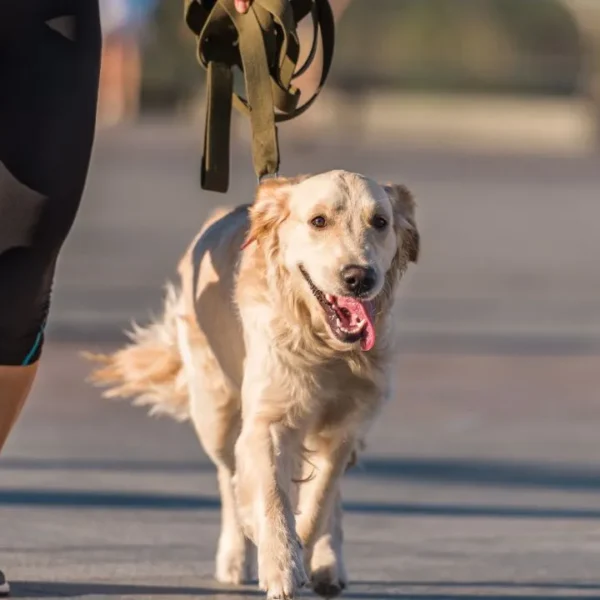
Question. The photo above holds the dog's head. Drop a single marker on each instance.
(343, 241)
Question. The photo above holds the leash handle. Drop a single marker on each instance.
(264, 44)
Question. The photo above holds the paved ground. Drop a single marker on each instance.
(482, 482)
(482, 478)
(510, 243)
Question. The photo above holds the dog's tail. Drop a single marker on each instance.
(149, 368)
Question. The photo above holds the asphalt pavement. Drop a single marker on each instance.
(481, 480)
(510, 242)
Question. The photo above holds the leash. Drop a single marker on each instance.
(264, 45)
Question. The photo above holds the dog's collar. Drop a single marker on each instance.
(247, 243)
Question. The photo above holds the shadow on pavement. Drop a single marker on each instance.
(115, 466)
(487, 473)
(539, 585)
(481, 473)
(43, 589)
(150, 501)
(451, 596)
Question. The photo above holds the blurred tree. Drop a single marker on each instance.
(480, 45)
(517, 46)
(587, 15)
(548, 40)
(172, 75)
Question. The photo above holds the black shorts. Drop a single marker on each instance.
(48, 96)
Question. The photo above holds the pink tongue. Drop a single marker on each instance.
(360, 311)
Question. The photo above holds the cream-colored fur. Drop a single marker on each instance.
(244, 351)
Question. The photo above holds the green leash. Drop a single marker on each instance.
(264, 45)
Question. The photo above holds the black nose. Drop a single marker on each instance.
(359, 280)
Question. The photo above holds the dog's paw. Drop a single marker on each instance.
(326, 566)
(282, 574)
(235, 562)
(327, 583)
(245, 509)
(328, 573)
(231, 568)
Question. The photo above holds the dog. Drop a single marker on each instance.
(278, 345)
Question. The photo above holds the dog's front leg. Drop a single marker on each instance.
(327, 570)
(264, 452)
(319, 523)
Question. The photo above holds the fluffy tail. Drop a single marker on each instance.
(148, 369)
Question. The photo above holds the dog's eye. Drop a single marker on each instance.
(319, 222)
(379, 222)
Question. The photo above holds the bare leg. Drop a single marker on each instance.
(47, 119)
(15, 383)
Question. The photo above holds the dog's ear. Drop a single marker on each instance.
(270, 208)
(404, 207)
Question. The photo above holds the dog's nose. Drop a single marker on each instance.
(359, 280)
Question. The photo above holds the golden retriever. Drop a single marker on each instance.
(278, 346)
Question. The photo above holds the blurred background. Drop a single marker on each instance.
(483, 476)
(488, 109)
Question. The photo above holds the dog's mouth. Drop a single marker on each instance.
(350, 319)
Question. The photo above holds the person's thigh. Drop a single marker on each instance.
(49, 86)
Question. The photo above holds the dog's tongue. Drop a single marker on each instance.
(361, 311)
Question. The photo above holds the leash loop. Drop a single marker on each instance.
(264, 45)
